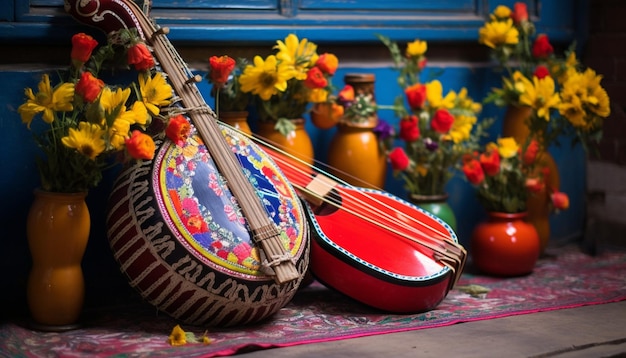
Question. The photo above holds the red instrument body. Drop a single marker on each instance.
(376, 265)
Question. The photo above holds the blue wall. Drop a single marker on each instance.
(20, 176)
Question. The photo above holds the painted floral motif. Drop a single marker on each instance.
(206, 213)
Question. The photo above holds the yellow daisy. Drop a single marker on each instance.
(416, 48)
(265, 78)
(88, 139)
(498, 33)
(47, 100)
(155, 92)
(299, 55)
(541, 96)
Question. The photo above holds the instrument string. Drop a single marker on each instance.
(392, 220)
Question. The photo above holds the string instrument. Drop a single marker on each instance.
(210, 232)
(372, 246)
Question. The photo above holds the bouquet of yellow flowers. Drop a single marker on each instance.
(283, 84)
(86, 121)
(437, 129)
(564, 97)
(504, 176)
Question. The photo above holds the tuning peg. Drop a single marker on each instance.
(194, 79)
(161, 31)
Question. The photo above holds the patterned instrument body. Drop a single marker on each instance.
(178, 232)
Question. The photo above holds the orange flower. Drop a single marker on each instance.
(178, 129)
(315, 78)
(328, 63)
(89, 87)
(442, 121)
(409, 129)
(560, 200)
(490, 161)
(398, 159)
(473, 170)
(346, 94)
(416, 95)
(140, 145)
(140, 57)
(220, 69)
(542, 47)
(82, 46)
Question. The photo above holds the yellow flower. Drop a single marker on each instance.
(581, 93)
(416, 48)
(265, 78)
(502, 12)
(434, 96)
(139, 114)
(541, 96)
(178, 337)
(318, 95)
(461, 128)
(498, 33)
(507, 147)
(299, 55)
(113, 103)
(88, 139)
(118, 133)
(155, 92)
(47, 100)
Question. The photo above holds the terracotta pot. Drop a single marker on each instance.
(436, 205)
(57, 229)
(297, 143)
(355, 155)
(537, 205)
(505, 245)
(237, 120)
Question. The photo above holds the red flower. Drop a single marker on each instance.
(409, 130)
(520, 13)
(82, 46)
(416, 95)
(473, 171)
(534, 185)
(541, 72)
(140, 57)
(442, 121)
(315, 78)
(560, 200)
(89, 86)
(530, 154)
(542, 48)
(140, 145)
(178, 129)
(328, 63)
(220, 69)
(422, 63)
(398, 159)
(490, 162)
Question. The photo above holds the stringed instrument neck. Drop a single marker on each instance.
(263, 229)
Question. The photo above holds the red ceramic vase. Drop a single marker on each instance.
(505, 245)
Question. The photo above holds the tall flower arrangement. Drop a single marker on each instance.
(436, 128)
(283, 84)
(565, 97)
(504, 176)
(85, 121)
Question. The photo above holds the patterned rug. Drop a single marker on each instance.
(566, 279)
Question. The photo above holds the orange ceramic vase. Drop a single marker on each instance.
(355, 156)
(57, 231)
(297, 143)
(505, 245)
(538, 204)
(237, 120)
